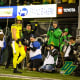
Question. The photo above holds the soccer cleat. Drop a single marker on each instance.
(16, 71)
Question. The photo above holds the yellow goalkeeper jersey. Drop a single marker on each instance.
(18, 28)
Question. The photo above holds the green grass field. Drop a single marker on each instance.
(4, 78)
(37, 74)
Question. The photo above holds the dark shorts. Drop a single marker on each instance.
(36, 63)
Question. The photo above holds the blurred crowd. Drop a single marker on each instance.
(30, 2)
(44, 53)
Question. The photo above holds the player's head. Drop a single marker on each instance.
(32, 37)
(66, 31)
(72, 40)
(18, 19)
(55, 24)
(28, 27)
(1, 34)
(52, 45)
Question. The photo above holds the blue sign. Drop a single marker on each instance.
(31, 11)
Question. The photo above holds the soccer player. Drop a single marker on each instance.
(17, 46)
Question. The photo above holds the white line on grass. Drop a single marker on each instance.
(25, 77)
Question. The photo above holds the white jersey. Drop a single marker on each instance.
(2, 43)
(34, 53)
(67, 52)
(50, 59)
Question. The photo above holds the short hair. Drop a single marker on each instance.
(72, 38)
(55, 22)
(28, 25)
(32, 35)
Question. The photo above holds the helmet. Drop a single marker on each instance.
(19, 18)
(66, 30)
(51, 44)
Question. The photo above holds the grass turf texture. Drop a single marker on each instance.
(5, 78)
(38, 74)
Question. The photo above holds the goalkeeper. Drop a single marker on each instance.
(18, 48)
